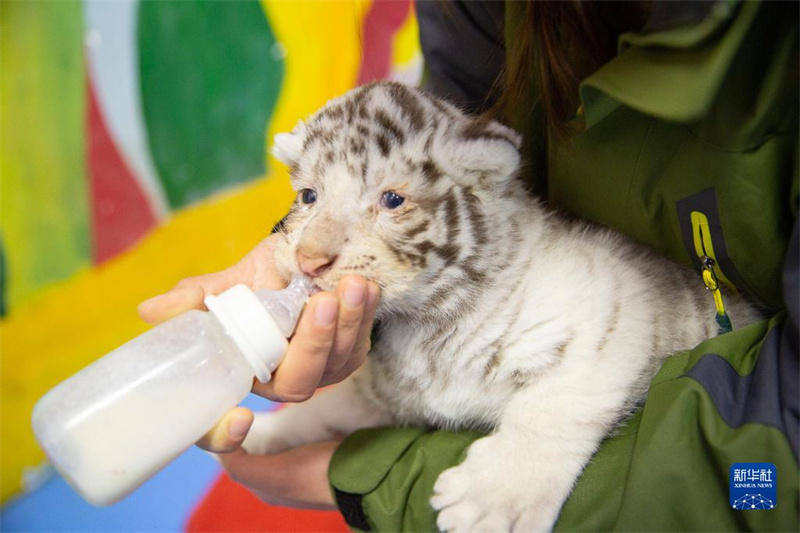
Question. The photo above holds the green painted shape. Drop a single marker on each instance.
(210, 79)
(44, 216)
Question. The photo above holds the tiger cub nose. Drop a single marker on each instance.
(315, 266)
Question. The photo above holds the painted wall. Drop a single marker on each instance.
(133, 153)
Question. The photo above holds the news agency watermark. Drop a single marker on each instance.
(753, 486)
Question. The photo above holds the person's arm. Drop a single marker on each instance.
(464, 51)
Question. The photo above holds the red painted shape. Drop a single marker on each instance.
(232, 508)
(120, 211)
(383, 20)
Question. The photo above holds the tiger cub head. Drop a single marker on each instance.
(395, 186)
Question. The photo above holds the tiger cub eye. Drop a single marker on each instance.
(392, 200)
(308, 196)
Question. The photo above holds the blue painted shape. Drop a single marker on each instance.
(257, 403)
(162, 504)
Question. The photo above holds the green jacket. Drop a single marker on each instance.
(690, 146)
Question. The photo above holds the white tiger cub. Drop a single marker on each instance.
(495, 313)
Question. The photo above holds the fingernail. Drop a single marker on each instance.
(355, 293)
(150, 301)
(326, 310)
(238, 428)
(170, 294)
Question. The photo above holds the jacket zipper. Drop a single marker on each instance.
(712, 273)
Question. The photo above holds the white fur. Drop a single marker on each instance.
(545, 332)
(494, 160)
(287, 147)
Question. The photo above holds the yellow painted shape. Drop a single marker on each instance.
(61, 330)
(703, 246)
(405, 48)
(322, 41)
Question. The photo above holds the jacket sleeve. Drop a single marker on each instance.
(462, 43)
(790, 343)
(383, 478)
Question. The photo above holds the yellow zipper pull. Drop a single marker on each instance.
(710, 280)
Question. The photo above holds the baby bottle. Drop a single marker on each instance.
(118, 421)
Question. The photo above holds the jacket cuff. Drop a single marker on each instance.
(382, 478)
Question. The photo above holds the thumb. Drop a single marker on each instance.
(227, 436)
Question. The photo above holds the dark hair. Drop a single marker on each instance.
(557, 45)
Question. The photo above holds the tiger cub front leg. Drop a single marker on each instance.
(517, 478)
(330, 414)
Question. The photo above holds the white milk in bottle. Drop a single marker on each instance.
(117, 422)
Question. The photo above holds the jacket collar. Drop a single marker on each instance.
(672, 72)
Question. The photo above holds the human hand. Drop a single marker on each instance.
(331, 341)
(296, 478)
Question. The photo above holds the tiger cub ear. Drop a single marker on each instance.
(287, 146)
(483, 148)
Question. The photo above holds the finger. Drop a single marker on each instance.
(188, 294)
(297, 477)
(361, 347)
(352, 292)
(256, 269)
(165, 306)
(229, 433)
(299, 374)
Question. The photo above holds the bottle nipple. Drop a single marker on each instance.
(285, 305)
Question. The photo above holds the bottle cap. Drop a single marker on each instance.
(251, 327)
